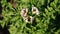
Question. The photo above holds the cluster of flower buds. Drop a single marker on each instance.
(29, 19)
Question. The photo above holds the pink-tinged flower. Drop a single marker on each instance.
(24, 12)
(35, 10)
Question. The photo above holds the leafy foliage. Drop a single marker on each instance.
(48, 21)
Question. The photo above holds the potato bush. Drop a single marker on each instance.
(48, 21)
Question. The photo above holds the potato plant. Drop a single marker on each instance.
(46, 22)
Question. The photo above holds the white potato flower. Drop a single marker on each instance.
(24, 12)
(29, 19)
(35, 10)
